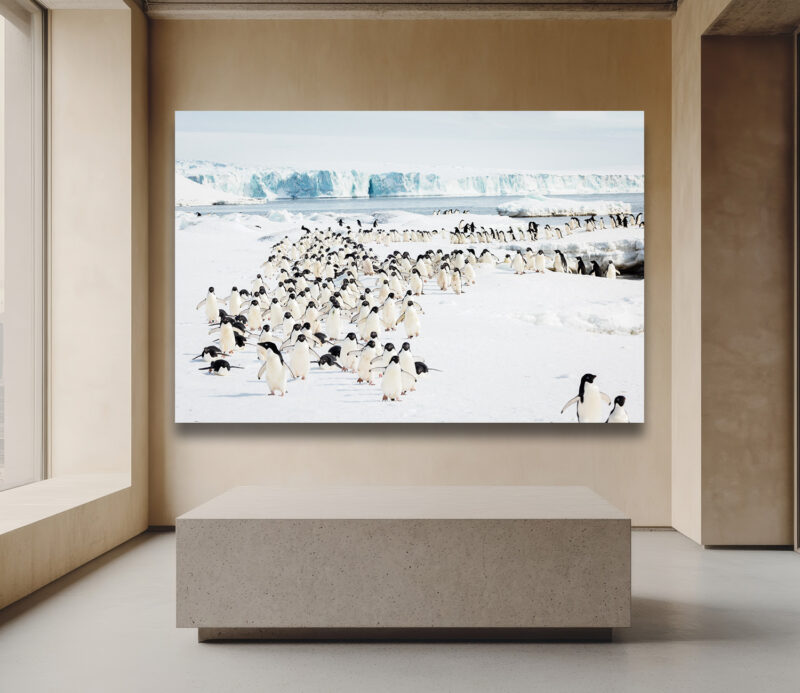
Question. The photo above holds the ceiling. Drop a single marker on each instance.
(532, 9)
(757, 18)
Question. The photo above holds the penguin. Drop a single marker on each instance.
(395, 380)
(218, 367)
(618, 413)
(596, 271)
(411, 320)
(254, 316)
(300, 361)
(421, 368)
(589, 401)
(212, 307)
(612, 272)
(539, 264)
(234, 301)
(209, 353)
(349, 352)
(365, 363)
(407, 362)
(561, 264)
(275, 370)
(518, 264)
(327, 361)
(227, 338)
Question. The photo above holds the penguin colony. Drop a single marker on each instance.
(329, 301)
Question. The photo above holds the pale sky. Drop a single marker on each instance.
(555, 141)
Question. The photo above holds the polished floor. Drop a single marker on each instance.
(703, 620)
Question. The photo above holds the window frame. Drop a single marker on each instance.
(35, 440)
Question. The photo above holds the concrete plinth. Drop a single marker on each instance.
(397, 563)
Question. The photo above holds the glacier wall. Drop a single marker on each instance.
(269, 184)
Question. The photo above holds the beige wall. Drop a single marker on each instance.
(411, 65)
(692, 19)
(748, 289)
(99, 278)
(90, 104)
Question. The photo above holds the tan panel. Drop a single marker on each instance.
(748, 286)
(692, 19)
(410, 65)
(90, 241)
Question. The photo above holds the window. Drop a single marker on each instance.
(22, 27)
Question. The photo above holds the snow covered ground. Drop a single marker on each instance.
(558, 207)
(510, 349)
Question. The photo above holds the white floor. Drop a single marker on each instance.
(703, 620)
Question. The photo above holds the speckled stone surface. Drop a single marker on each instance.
(404, 557)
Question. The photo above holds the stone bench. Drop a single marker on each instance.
(413, 562)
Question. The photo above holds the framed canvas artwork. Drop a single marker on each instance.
(409, 267)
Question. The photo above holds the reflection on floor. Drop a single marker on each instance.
(710, 620)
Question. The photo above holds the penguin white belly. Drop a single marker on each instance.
(235, 304)
(469, 274)
(276, 374)
(365, 373)
(349, 357)
(227, 342)
(539, 263)
(300, 362)
(389, 316)
(593, 409)
(334, 325)
(254, 318)
(618, 415)
(392, 382)
(416, 285)
(212, 309)
(411, 323)
(518, 264)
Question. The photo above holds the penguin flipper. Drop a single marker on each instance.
(574, 400)
(262, 369)
(201, 304)
(407, 378)
(605, 398)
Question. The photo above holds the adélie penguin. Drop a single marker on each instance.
(212, 307)
(591, 403)
(395, 380)
(275, 369)
(218, 367)
(618, 413)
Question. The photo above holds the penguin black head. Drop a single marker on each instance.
(394, 359)
(301, 337)
(373, 335)
(253, 303)
(371, 344)
(351, 336)
(234, 289)
(620, 400)
(211, 289)
(587, 378)
(286, 315)
(389, 347)
(406, 346)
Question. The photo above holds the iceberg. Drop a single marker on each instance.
(260, 184)
(560, 207)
